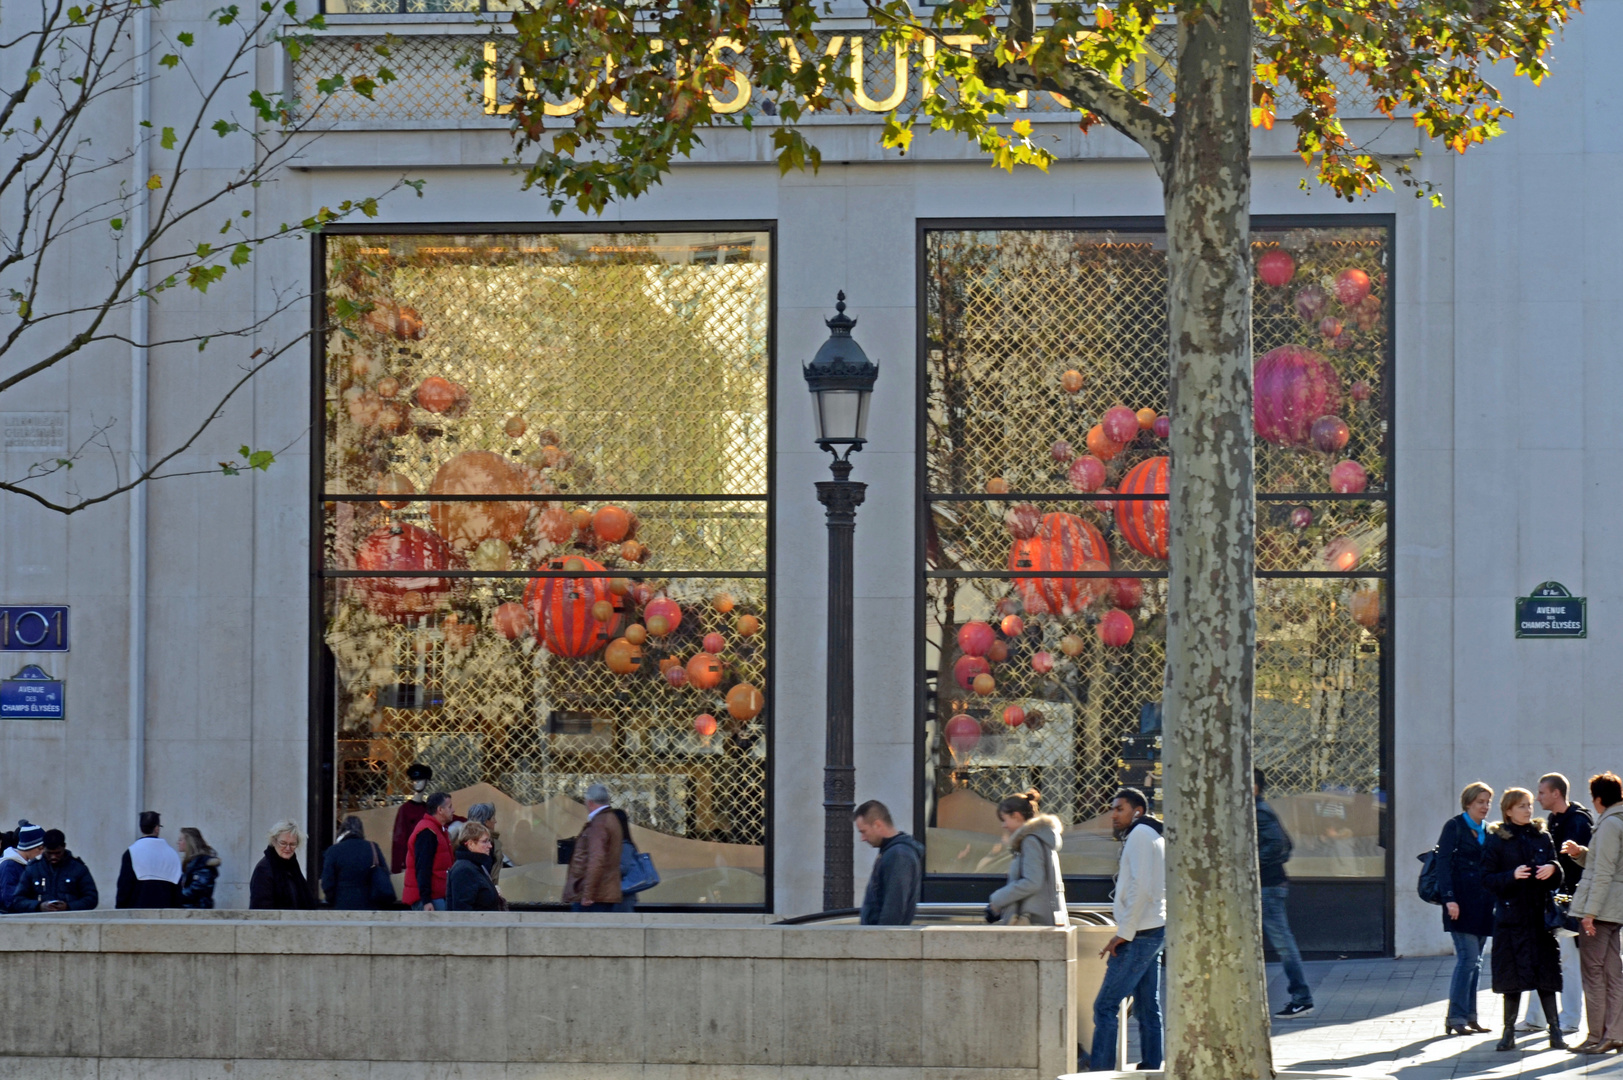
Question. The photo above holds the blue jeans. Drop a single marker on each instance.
(1467, 973)
(624, 905)
(1278, 929)
(1135, 971)
(437, 905)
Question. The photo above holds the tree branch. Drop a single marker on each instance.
(1090, 90)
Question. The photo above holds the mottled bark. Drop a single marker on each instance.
(1217, 1009)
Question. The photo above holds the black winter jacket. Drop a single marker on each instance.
(1575, 824)
(892, 896)
(346, 873)
(467, 884)
(42, 883)
(1273, 846)
(1459, 876)
(278, 885)
(197, 879)
(1525, 956)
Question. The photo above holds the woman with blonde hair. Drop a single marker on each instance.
(1034, 894)
(200, 869)
(1467, 905)
(468, 886)
(1520, 869)
(278, 883)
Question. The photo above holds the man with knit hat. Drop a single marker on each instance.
(59, 881)
(14, 863)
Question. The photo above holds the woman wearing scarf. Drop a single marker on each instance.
(1467, 904)
(1519, 867)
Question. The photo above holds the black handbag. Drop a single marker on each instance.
(383, 896)
(1428, 887)
(1558, 915)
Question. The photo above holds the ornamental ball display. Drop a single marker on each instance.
(636, 633)
(963, 733)
(1127, 592)
(619, 586)
(610, 524)
(515, 427)
(1086, 474)
(1042, 662)
(704, 671)
(634, 551)
(388, 387)
(723, 602)
(1329, 434)
(966, 669)
(714, 643)
(403, 547)
(1348, 477)
(1366, 608)
(1071, 645)
(1023, 520)
(744, 702)
(603, 610)
(974, 638)
(1071, 381)
(662, 608)
(1116, 628)
(658, 625)
(984, 685)
(1310, 303)
(1146, 419)
(1012, 626)
(1360, 391)
(676, 675)
(622, 657)
(1352, 286)
(1101, 445)
(998, 653)
(1163, 427)
(438, 395)
(1276, 268)
(997, 486)
(1061, 452)
(1120, 424)
(1301, 517)
(747, 626)
(565, 609)
(512, 620)
(465, 525)
(394, 485)
(704, 725)
(574, 565)
(1014, 715)
(1142, 523)
(1294, 386)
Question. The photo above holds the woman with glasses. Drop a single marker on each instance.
(467, 885)
(278, 883)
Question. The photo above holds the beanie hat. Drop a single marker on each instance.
(29, 836)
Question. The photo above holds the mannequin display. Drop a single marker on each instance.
(410, 813)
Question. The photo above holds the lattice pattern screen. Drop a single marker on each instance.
(1044, 578)
(546, 541)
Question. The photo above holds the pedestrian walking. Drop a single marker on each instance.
(1467, 904)
(278, 883)
(428, 856)
(1140, 909)
(468, 886)
(199, 870)
(1598, 904)
(56, 881)
(1273, 852)
(593, 880)
(354, 871)
(1566, 821)
(149, 873)
(26, 845)
(1034, 892)
(1519, 868)
(485, 814)
(892, 896)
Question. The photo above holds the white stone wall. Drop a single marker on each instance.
(1508, 405)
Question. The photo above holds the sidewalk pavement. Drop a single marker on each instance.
(1385, 1018)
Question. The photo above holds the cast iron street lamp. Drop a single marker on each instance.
(841, 379)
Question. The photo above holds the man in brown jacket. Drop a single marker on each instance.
(593, 882)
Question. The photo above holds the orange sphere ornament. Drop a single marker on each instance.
(704, 671)
(633, 551)
(388, 387)
(515, 427)
(438, 395)
(983, 685)
(704, 725)
(747, 626)
(1071, 381)
(619, 586)
(1146, 419)
(744, 702)
(580, 518)
(465, 525)
(512, 620)
(395, 484)
(611, 524)
(636, 633)
(1071, 645)
(1101, 445)
(658, 625)
(724, 602)
(1366, 608)
(622, 656)
(1014, 716)
(668, 662)
(603, 610)
(997, 486)
(1013, 626)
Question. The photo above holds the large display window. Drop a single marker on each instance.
(1043, 534)
(543, 557)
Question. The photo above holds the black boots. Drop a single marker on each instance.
(1507, 1041)
(1546, 999)
(1513, 1007)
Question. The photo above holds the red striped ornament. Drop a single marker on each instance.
(1065, 542)
(1143, 523)
(563, 610)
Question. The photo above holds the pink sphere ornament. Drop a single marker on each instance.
(1116, 628)
(1106, 505)
(1360, 391)
(1330, 327)
(1352, 285)
(975, 637)
(1329, 434)
(1061, 451)
(1014, 715)
(1120, 424)
(1042, 662)
(1276, 268)
(704, 725)
(1162, 427)
(1301, 517)
(1023, 520)
(714, 643)
(676, 675)
(1087, 473)
(1348, 478)
(662, 608)
(967, 668)
(1126, 592)
(963, 733)
(1013, 626)
(1293, 387)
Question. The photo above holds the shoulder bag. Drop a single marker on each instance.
(637, 872)
(1428, 887)
(382, 886)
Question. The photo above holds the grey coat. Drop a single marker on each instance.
(1035, 888)
(1600, 892)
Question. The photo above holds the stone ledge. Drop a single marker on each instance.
(58, 1068)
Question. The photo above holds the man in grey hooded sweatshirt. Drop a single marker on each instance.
(893, 887)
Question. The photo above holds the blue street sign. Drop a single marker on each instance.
(1552, 612)
(33, 628)
(31, 695)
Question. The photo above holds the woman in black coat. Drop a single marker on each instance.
(467, 885)
(277, 883)
(1520, 868)
(349, 870)
(1467, 904)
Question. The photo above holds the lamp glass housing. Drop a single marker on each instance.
(842, 415)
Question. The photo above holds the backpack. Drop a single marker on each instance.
(1428, 888)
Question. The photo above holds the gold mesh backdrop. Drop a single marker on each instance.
(572, 429)
(1046, 583)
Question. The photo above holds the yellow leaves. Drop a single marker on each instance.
(154, 182)
(1263, 118)
(1021, 128)
(1104, 17)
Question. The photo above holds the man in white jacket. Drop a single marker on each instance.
(1140, 910)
